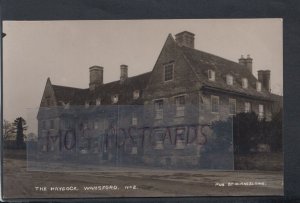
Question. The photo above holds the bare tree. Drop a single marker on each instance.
(9, 131)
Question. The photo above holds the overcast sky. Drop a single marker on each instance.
(64, 51)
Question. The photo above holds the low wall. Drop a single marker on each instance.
(259, 161)
(15, 154)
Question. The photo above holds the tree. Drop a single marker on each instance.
(20, 126)
(276, 129)
(217, 152)
(8, 130)
(246, 132)
(249, 131)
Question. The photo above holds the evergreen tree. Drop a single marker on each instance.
(20, 127)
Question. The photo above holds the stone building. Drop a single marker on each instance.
(159, 117)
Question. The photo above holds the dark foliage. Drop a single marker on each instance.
(244, 132)
(20, 126)
(249, 131)
(276, 141)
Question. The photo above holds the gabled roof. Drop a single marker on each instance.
(201, 62)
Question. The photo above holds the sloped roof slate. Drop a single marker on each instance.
(201, 62)
(76, 96)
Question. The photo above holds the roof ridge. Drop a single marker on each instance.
(128, 77)
(67, 87)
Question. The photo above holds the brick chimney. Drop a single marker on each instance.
(246, 62)
(185, 38)
(124, 73)
(96, 77)
(264, 77)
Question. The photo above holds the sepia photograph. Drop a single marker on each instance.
(142, 108)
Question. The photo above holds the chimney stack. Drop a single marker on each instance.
(264, 77)
(124, 73)
(185, 38)
(242, 61)
(246, 62)
(96, 77)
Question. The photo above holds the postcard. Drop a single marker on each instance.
(142, 108)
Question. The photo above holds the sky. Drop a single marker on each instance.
(64, 51)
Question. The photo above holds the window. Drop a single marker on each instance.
(98, 102)
(180, 106)
(260, 111)
(245, 83)
(134, 119)
(180, 144)
(214, 104)
(51, 124)
(44, 147)
(136, 94)
(229, 79)
(85, 125)
(201, 102)
(86, 105)
(67, 124)
(211, 75)
(258, 86)
(91, 124)
(44, 125)
(232, 106)
(66, 105)
(247, 107)
(114, 98)
(159, 136)
(96, 124)
(159, 109)
(169, 72)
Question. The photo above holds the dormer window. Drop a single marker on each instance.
(98, 102)
(258, 86)
(114, 98)
(211, 75)
(229, 79)
(168, 72)
(245, 83)
(136, 94)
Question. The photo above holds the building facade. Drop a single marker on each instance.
(158, 118)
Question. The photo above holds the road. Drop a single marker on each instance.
(135, 182)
